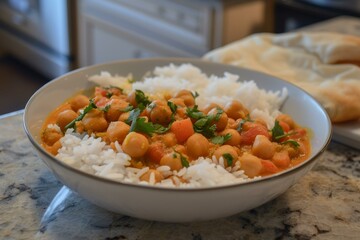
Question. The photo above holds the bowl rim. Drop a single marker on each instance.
(278, 175)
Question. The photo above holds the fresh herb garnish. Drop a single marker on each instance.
(141, 99)
(244, 120)
(184, 161)
(87, 109)
(195, 94)
(106, 108)
(218, 114)
(194, 112)
(293, 142)
(204, 124)
(139, 124)
(128, 108)
(229, 158)
(221, 139)
(131, 80)
(278, 133)
(173, 108)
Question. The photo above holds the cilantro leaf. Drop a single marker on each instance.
(277, 131)
(106, 108)
(194, 112)
(292, 142)
(139, 124)
(184, 161)
(158, 128)
(221, 139)
(134, 114)
(141, 99)
(128, 108)
(229, 158)
(173, 108)
(87, 109)
(218, 114)
(246, 119)
(195, 94)
(204, 123)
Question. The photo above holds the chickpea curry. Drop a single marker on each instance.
(172, 130)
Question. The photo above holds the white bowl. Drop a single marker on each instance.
(175, 205)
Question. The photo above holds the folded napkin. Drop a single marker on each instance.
(324, 64)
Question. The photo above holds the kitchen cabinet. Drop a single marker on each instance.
(120, 29)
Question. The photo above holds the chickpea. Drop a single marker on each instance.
(180, 113)
(50, 136)
(135, 144)
(79, 102)
(173, 160)
(209, 107)
(189, 99)
(251, 165)
(160, 112)
(79, 126)
(180, 149)
(65, 117)
(95, 121)
(261, 122)
(232, 123)
(263, 147)
(235, 137)
(124, 116)
(223, 150)
(117, 107)
(54, 148)
(114, 91)
(197, 145)
(281, 159)
(131, 98)
(169, 139)
(158, 177)
(235, 110)
(223, 120)
(117, 131)
(178, 101)
(181, 107)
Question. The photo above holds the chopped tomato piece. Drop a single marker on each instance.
(248, 136)
(155, 152)
(268, 167)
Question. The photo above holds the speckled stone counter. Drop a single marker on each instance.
(325, 204)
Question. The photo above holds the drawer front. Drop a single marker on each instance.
(182, 24)
(103, 42)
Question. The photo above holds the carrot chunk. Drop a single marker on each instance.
(182, 129)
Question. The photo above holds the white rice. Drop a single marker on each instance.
(93, 156)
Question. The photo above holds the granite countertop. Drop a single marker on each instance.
(325, 204)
